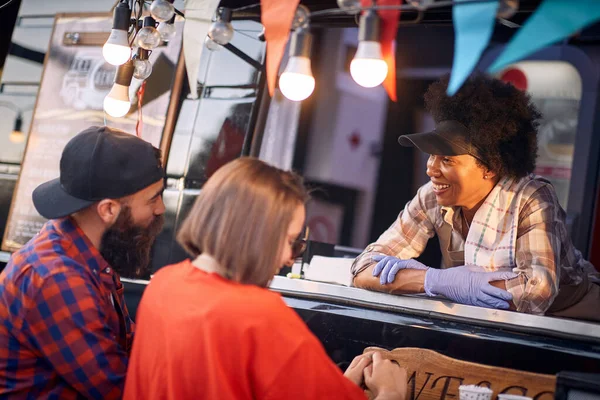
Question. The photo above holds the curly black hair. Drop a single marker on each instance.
(502, 121)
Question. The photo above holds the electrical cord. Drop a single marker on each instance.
(6, 4)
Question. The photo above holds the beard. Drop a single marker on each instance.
(126, 246)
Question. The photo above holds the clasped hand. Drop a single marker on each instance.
(459, 284)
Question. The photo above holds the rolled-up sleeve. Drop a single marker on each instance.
(540, 239)
(407, 236)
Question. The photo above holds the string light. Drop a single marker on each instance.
(162, 10)
(221, 31)
(17, 135)
(117, 102)
(116, 50)
(297, 81)
(142, 67)
(368, 68)
(167, 30)
(148, 37)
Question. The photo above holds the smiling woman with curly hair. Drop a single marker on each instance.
(502, 232)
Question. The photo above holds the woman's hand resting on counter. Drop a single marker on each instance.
(388, 266)
(459, 284)
(465, 286)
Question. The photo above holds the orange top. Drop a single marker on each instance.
(199, 335)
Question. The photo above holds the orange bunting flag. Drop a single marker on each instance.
(389, 29)
(276, 17)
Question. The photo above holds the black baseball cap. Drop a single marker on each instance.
(449, 138)
(98, 163)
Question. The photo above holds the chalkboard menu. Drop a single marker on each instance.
(74, 83)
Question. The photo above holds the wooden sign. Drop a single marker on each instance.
(433, 376)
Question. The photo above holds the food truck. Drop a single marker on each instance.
(343, 140)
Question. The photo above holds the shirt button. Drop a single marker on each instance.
(533, 281)
(96, 271)
(107, 270)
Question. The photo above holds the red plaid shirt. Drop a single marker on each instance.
(65, 331)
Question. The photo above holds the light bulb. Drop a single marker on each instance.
(141, 69)
(350, 6)
(167, 31)
(368, 68)
(117, 103)
(301, 17)
(421, 4)
(17, 137)
(116, 50)
(148, 38)
(221, 32)
(211, 44)
(297, 82)
(162, 10)
(507, 8)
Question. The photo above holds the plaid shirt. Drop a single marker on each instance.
(65, 331)
(545, 258)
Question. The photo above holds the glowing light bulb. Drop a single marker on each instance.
(211, 44)
(350, 6)
(368, 69)
(117, 103)
(116, 50)
(297, 82)
(148, 38)
(141, 69)
(162, 10)
(17, 135)
(167, 31)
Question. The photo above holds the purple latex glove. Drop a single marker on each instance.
(467, 287)
(387, 267)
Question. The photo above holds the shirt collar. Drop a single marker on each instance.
(69, 229)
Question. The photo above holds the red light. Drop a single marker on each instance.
(516, 77)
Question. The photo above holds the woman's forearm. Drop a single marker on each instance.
(407, 281)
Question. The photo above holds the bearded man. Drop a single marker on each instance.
(65, 331)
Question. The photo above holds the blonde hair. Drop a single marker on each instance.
(241, 218)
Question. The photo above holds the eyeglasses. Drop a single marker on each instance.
(299, 245)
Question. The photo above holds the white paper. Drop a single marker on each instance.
(329, 270)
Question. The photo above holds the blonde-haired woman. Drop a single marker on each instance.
(209, 328)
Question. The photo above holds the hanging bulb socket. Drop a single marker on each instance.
(301, 43)
(369, 27)
(124, 74)
(18, 123)
(297, 82)
(17, 136)
(122, 17)
(149, 21)
(225, 14)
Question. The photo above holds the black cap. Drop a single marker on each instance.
(450, 138)
(98, 163)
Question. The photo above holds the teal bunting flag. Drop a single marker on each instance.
(473, 27)
(552, 21)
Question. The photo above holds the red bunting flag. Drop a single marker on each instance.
(276, 17)
(389, 29)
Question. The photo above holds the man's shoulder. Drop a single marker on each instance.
(44, 256)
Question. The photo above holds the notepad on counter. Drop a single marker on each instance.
(329, 270)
